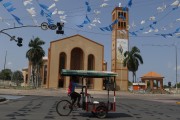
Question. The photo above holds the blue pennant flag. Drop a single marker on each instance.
(133, 33)
(50, 21)
(155, 22)
(177, 30)
(106, 28)
(44, 7)
(42, 13)
(17, 19)
(7, 4)
(114, 22)
(80, 26)
(88, 8)
(130, 3)
(48, 14)
(101, 29)
(175, 8)
(87, 19)
(141, 28)
(11, 9)
(151, 27)
(110, 27)
(124, 9)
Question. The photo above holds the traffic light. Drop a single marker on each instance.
(60, 28)
(19, 41)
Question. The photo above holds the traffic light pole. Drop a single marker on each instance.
(19, 39)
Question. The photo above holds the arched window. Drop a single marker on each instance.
(91, 66)
(77, 60)
(62, 65)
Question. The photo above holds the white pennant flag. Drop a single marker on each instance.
(55, 11)
(52, 6)
(142, 22)
(152, 18)
(97, 12)
(175, 3)
(60, 12)
(27, 2)
(178, 19)
(32, 11)
(104, 5)
(63, 17)
(64, 21)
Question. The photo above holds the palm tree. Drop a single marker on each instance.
(132, 59)
(35, 55)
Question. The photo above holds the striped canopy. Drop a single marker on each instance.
(88, 73)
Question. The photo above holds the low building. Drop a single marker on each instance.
(139, 86)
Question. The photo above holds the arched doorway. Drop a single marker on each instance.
(62, 65)
(77, 60)
(91, 64)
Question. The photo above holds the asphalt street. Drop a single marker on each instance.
(128, 107)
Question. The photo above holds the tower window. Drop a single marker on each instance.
(122, 25)
(122, 15)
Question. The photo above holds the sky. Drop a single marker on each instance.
(153, 28)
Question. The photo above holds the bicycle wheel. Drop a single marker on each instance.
(101, 111)
(63, 107)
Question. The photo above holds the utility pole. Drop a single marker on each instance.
(5, 60)
(176, 67)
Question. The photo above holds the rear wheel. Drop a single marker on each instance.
(101, 111)
(64, 107)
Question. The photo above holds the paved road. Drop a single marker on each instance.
(129, 107)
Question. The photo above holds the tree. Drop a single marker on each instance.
(178, 85)
(35, 55)
(132, 60)
(17, 77)
(6, 74)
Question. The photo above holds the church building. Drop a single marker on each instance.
(80, 53)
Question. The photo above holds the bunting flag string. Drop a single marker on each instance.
(86, 21)
(58, 12)
(31, 10)
(45, 12)
(10, 8)
(88, 7)
(151, 27)
(176, 32)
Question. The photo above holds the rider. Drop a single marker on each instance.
(71, 91)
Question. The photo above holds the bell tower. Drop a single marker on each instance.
(120, 38)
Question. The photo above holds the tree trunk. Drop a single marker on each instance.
(33, 76)
(133, 76)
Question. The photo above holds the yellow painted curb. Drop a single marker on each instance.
(178, 103)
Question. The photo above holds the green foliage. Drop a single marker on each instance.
(17, 77)
(5, 74)
(35, 55)
(130, 83)
(178, 85)
(132, 60)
